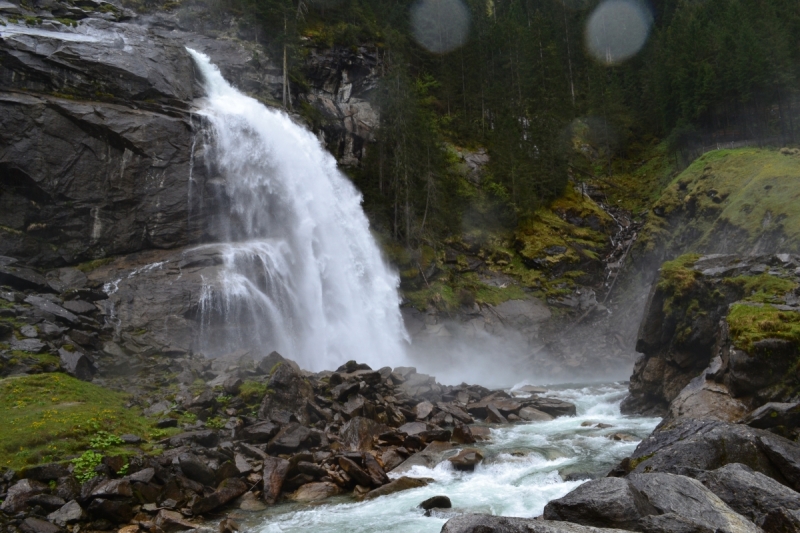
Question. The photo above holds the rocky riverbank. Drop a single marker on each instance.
(234, 431)
(720, 349)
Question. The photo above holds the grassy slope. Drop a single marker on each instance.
(743, 201)
(50, 417)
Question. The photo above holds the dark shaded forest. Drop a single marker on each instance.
(520, 74)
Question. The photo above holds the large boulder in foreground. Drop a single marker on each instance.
(690, 447)
(605, 502)
(751, 494)
(479, 523)
(648, 502)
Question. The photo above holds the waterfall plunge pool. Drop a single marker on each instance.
(521, 472)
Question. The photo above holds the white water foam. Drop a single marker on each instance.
(521, 473)
(302, 273)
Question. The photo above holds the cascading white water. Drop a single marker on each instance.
(301, 272)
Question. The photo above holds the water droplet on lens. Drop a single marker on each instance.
(440, 26)
(617, 30)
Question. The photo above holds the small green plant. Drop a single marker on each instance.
(224, 400)
(103, 440)
(124, 470)
(215, 423)
(157, 434)
(85, 465)
(252, 391)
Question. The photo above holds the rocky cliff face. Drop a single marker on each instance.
(719, 337)
(101, 154)
(106, 107)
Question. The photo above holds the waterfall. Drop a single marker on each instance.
(300, 272)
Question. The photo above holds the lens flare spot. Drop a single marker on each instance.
(617, 30)
(440, 26)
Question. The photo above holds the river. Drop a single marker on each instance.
(521, 472)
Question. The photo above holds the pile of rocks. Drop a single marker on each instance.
(313, 436)
(57, 314)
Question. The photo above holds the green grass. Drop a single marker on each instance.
(741, 194)
(678, 279)
(750, 324)
(639, 180)
(764, 288)
(50, 417)
(252, 392)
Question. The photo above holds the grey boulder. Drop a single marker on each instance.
(749, 493)
(478, 523)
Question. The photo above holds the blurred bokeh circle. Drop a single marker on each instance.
(617, 30)
(440, 26)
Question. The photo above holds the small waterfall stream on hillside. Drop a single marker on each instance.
(301, 272)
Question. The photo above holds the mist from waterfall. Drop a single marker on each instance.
(301, 273)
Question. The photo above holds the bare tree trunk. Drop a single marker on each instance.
(569, 54)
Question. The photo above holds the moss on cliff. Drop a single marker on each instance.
(750, 323)
(764, 288)
(729, 201)
(678, 281)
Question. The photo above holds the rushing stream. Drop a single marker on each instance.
(521, 473)
(303, 275)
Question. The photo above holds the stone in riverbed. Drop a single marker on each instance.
(529, 414)
(48, 502)
(552, 406)
(114, 510)
(375, 471)
(355, 471)
(358, 434)
(54, 309)
(413, 428)
(171, 521)
(196, 469)
(79, 307)
(312, 492)
(462, 434)
(397, 485)
(494, 416)
(689, 446)
(275, 470)
(689, 500)
(291, 438)
(466, 459)
(429, 457)
(774, 414)
(228, 490)
(391, 459)
(436, 502)
(476, 523)
(423, 410)
(481, 433)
